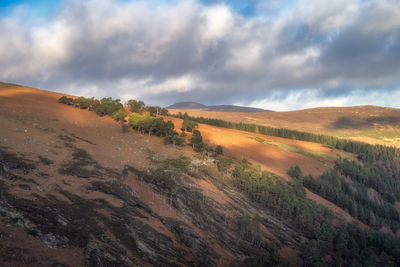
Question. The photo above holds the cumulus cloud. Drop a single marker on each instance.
(318, 53)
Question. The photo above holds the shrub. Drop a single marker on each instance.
(174, 138)
(107, 106)
(66, 100)
(196, 137)
(82, 102)
(188, 125)
(219, 150)
(295, 172)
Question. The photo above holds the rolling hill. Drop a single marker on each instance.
(221, 108)
(371, 124)
(76, 190)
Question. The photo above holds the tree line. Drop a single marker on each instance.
(141, 118)
(144, 119)
(344, 245)
(364, 151)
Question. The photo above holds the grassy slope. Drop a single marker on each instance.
(371, 124)
(36, 127)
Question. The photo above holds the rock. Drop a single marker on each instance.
(54, 240)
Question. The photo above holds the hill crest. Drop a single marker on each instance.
(224, 108)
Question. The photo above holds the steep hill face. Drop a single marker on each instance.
(222, 108)
(371, 124)
(75, 190)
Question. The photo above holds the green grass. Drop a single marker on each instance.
(389, 136)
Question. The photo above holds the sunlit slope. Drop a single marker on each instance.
(67, 177)
(274, 154)
(371, 124)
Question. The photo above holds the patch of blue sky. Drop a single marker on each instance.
(247, 8)
(30, 8)
(251, 8)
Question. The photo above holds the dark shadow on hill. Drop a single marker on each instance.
(364, 123)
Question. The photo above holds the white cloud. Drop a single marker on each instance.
(327, 15)
(181, 50)
(218, 22)
(309, 98)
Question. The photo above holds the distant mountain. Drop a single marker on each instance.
(187, 105)
(227, 108)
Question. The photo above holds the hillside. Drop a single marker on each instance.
(371, 124)
(222, 108)
(75, 190)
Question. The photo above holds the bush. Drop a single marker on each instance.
(82, 102)
(66, 100)
(219, 150)
(295, 172)
(107, 106)
(196, 137)
(174, 138)
(188, 125)
(224, 163)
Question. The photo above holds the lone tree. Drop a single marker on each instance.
(295, 172)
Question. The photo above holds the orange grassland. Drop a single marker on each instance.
(33, 124)
(371, 124)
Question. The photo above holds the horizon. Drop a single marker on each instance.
(274, 55)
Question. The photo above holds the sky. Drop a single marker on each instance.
(271, 54)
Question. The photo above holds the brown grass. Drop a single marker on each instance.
(32, 122)
(375, 125)
(239, 144)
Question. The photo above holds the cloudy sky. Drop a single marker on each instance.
(279, 55)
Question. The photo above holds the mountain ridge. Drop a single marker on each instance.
(224, 108)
